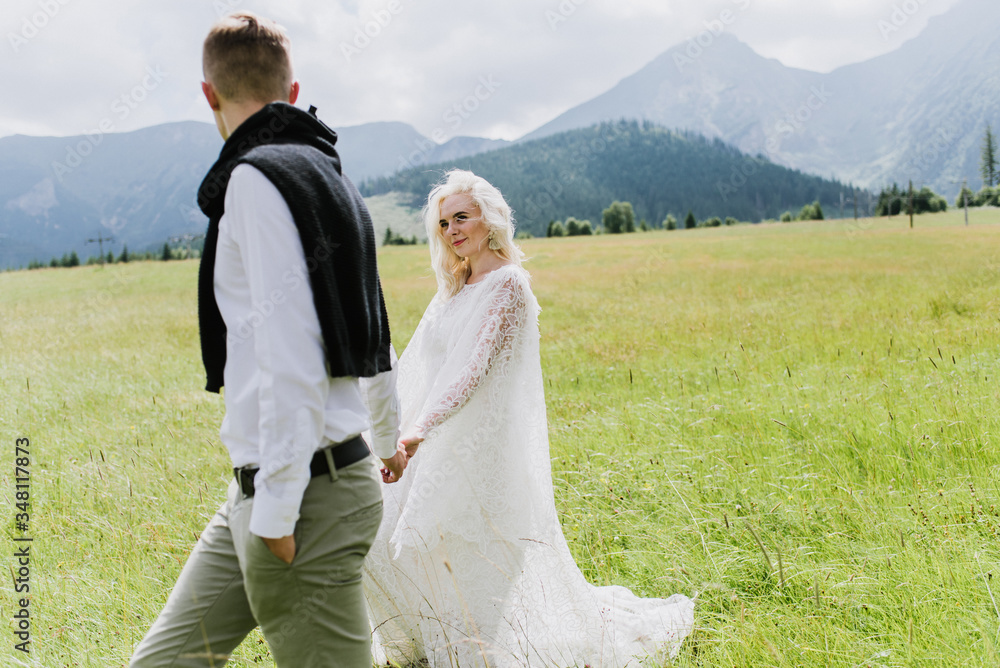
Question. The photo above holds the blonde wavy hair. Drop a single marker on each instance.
(451, 270)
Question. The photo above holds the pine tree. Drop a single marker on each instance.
(690, 222)
(165, 255)
(988, 164)
(124, 256)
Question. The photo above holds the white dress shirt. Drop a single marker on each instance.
(281, 406)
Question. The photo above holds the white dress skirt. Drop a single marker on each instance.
(470, 566)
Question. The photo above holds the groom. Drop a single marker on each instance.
(293, 324)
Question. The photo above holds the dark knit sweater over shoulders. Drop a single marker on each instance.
(295, 151)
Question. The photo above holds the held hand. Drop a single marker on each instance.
(411, 443)
(282, 548)
(394, 466)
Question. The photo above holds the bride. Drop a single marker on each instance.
(470, 566)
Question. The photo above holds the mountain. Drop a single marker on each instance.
(55, 193)
(728, 91)
(929, 103)
(139, 187)
(918, 112)
(374, 149)
(460, 147)
(580, 172)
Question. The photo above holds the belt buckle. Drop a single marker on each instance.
(328, 454)
(244, 478)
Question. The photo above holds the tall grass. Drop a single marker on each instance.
(794, 422)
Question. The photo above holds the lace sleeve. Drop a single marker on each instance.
(493, 342)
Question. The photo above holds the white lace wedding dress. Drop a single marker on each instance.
(470, 566)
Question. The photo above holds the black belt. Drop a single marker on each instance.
(342, 454)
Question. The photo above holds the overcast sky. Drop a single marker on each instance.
(72, 66)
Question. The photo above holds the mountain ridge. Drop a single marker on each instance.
(660, 171)
(140, 186)
(916, 112)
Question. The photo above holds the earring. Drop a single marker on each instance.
(494, 244)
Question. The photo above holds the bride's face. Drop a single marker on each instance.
(462, 226)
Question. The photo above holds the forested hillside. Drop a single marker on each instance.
(580, 172)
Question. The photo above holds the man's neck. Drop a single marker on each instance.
(233, 115)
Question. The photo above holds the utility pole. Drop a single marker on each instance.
(187, 238)
(911, 204)
(965, 196)
(853, 199)
(100, 244)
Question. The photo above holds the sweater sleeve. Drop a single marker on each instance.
(382, 401)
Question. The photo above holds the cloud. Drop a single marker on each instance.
(71, 64)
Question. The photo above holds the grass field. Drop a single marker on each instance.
(795, 422)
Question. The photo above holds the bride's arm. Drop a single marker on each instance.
(493, 343)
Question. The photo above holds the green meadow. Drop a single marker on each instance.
(797, 423)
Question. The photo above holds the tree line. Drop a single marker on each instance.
(658, 171)
(989, 194)
(165, 254)
(620, 218)
(895, 200)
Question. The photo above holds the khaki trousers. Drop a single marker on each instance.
(312, 612)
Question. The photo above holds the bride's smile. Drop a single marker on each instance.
(462, 225)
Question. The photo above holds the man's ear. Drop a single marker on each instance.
(210, 95)
(293, 93)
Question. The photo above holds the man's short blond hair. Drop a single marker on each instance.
(247, 58)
